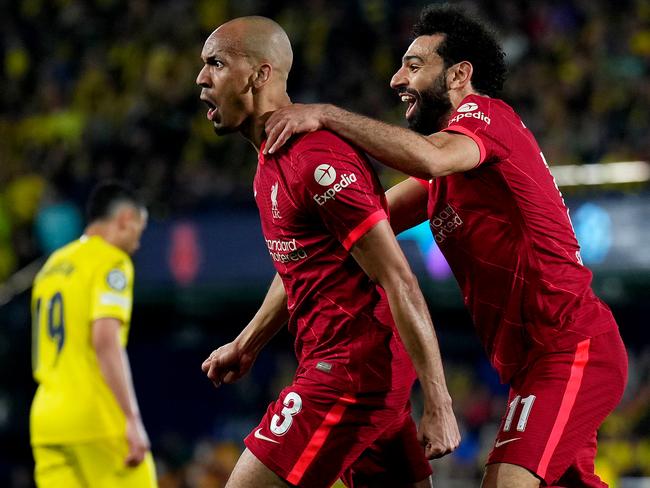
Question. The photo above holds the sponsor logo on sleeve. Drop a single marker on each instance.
(116, 279)
(324, 174)
(113, 299)
(467, 107)
(469, 110)
(330, 194)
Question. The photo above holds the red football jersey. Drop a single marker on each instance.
(507, 236)
(316, 198)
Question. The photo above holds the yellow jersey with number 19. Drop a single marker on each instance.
(83, 281)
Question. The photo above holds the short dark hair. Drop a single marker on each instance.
(106, 196)
(466, 39)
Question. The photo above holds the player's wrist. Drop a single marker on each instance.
(247, 344)
(436, 394)
(328, 114)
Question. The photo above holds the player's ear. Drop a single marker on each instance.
(459, 75)
(124, 216)
(262, 75)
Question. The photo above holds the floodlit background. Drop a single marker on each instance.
(91, 89)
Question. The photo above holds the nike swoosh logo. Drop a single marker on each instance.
(258, 434)
(500, 443)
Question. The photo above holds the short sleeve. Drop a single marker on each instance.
(339, 184)
(480, 119)
(112, 291)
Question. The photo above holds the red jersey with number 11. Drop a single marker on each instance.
(505, 231)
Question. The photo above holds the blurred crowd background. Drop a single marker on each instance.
(95, 89)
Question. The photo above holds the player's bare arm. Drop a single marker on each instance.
(407, 203)
(233, 360)
(425, 157)
(115, 368)
(380, 256)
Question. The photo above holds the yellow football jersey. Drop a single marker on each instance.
(86, 280)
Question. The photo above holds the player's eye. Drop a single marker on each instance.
(413, 68)
(214, 62)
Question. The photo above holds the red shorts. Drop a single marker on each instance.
(555, 408)
(313, 435)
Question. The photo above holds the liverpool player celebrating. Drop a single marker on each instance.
(324, 219)
(501, 222)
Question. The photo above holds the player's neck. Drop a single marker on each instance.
(263, 110)
(104, 230)
(456, 97)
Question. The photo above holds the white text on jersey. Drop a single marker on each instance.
(330, 194)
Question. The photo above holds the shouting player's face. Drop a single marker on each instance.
(421, 82)
(225, 80)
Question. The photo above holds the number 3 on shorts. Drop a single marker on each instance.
(292, 405)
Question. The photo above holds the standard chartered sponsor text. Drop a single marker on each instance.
(285, 251)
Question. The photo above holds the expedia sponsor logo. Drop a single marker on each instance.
(345, 181)
(285, 251)
(471, 115)
(467, 107)
(445, 223)
(324, 174)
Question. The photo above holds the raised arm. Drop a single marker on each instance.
(233, 360)
(114, 365)
(425, 157)
(380, 256)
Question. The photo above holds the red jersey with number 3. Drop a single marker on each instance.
(507, 236)
(316, 198)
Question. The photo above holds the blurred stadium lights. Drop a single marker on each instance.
(601, 174)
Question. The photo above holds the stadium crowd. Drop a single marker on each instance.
(93, 89)
(105, 88)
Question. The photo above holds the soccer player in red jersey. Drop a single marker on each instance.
(500, 220)
(324, 219)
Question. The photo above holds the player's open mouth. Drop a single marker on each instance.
(411, 100)
(212, 109)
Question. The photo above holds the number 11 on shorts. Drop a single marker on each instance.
(523, 416)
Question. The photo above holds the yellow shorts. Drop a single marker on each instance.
(98, 464)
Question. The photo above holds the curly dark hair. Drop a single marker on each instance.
(466, 39)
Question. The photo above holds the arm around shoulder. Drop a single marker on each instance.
(417, 155)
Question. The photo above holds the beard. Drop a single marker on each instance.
(433, 108)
